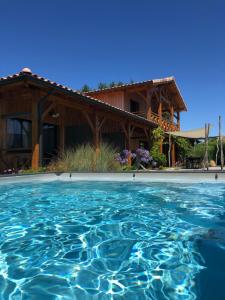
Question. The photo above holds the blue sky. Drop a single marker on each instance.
(77, 42)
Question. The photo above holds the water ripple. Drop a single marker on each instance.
(88, 240)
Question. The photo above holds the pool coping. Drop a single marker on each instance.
(176, 176)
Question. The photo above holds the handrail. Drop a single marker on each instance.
(166, 124)
(140, 113)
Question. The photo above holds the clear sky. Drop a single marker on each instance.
(76, 42)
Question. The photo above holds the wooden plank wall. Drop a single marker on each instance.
(114, 98)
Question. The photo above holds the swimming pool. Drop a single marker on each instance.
(112, 240)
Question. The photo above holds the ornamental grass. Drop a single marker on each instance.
(84, 158)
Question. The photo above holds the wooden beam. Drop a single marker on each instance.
(102, 122)
(2, 127)
(171, 113)
(62, 129)
(149, 104)
(90, 122)
(173, 154)
(96, 125)
(47, 110)
(124, 129)
(160, 112)
(132, 128)
(97, 134)
(141, 95)
(16, 115)
(35, 136)
(178, 120)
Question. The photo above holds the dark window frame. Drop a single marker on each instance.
(21, 138)
(134, 106)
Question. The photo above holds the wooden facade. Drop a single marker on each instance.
(40, 118)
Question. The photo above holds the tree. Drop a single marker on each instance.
(102, 85)
(85, 88)
(112, 84)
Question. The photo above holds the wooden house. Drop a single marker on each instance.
(39, 118)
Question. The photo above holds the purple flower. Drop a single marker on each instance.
(133, 155)
(143, 155)
(122, 157)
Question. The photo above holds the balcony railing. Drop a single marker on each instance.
(164, 123)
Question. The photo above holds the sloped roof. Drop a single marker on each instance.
(26, 74)
(154, 82)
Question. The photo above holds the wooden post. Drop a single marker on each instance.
(169, 151)
(160, 121)
(96, 134)
(3, 136)
(160, 112)
(129, 145)
(127, 132)
(171, 114)
(217, 149)
(2, 127)
(206, 158)
(221, 144)
(62, 130)
(178, 120)
(95, 125)
(173, 154)
(148, 105)
(147, 132)
(35, 136)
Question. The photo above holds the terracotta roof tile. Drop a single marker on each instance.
(83, 95)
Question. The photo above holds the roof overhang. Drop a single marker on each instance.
(30, 78)
(169, 82)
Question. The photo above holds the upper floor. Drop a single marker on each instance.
(158, 101)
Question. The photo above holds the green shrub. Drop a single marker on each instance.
(199, 150)
(183, 147)
(160, 158)
(158, 136)
(85, 158)
(32, 171)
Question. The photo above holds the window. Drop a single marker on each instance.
(134, 106)
(18, 134)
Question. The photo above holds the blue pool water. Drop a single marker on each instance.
(110, 240)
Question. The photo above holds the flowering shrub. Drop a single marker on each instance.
(122, 157)
(141, 155)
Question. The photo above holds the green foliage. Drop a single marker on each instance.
(112, 84)
(166, 115)
(85, 88)
(183, 146)
(31, 171)
(102, 85)
(84, 158)
(160, 158)
(106, 159)
(199, 150)
(158, 136)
